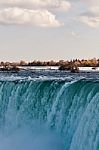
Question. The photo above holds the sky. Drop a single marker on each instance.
(49, 29)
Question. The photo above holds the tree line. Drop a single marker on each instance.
(62, 63)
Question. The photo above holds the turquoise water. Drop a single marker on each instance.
(49, 114)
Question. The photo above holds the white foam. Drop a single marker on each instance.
(24, 139)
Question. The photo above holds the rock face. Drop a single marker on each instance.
(63, 67)
(73, 69)
(10, 68)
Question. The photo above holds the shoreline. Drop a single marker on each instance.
(49, 68)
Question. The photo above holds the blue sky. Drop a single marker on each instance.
(48, 29)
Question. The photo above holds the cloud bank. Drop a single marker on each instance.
(40, 13)
(61, 5)
(19, 16)
(44, 13)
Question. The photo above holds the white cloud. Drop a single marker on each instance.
(61, 5)
(94, 9)
(90, 16)
(93, 5)
(75, 34)
(64, 6)
(32, 12)
(90, 21)
(20, 16)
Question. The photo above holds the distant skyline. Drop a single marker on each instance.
(49, 29)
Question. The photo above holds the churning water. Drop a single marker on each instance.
(49, 114)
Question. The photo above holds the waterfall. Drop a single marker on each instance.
(49, 115)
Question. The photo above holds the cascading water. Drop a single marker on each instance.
(49, 115)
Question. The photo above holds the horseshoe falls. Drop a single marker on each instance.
(49, 114)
